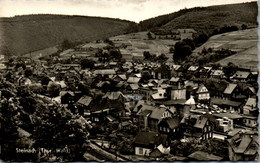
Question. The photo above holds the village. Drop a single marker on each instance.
(141, 110)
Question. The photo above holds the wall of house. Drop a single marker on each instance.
(142, 151)
(178, 94)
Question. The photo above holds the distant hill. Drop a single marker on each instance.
(206, 18)
(22, 34)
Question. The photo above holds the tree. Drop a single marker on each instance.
(66, 44)
(116, 54)
(87, 63)
(28, 73)
(162, 58)
(147, 55)
(243, 26)
(149, 35)
(53, 89)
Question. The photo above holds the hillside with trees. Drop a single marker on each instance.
(23, 34)
(206, 19)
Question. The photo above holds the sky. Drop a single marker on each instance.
(133, 10)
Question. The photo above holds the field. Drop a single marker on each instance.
(139, 42)
(244, 42)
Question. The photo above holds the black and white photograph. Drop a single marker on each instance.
(128, 80)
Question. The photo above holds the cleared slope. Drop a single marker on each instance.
(244, 42)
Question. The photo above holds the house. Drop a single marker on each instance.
(202, 94)
(243, 146)
(232, 91)
(216, 89)
(242, 76)
(156, 116)
(178, 93)
(177, 70)
(227, 104)
(114, 96)
(83, 105)
(170, 126)
(160, 95)
(250, 107)
(217, 74)
(162, 72)
(24, 81)
(197, 126)
(67, 97)
(224, 124)
(192, 70)
(176, 81)
(146, 142)
(205, 72)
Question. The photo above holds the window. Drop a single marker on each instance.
(141, 151)
(160, 128)
(168, 130)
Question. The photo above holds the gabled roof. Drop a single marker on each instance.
(242, 142)
(173, 122)
(174, 79)
(105, 72)
(201, 122)
(62, 93)
(112, 95)
(176, 67)
(217, 73)
(241, 75)
(158, 113)
(193, 68)
(190, 101)
(134, 86)
(122, 76)
(150, 139)
(202, 89)
(230, 88)
(134, 80)
(251, 102)
(85, 100)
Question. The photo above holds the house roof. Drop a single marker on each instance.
(230, 88)
(190, 101)
(112, 95)
(158, 113)
(241, 75)
(105, 72)
(251, 102)
(145, 113)
(202, 89)
(62, 93)
(204, 156)
(134, 86)
(218, 101)
(173, 122)
(193, 68)
(85, 100)
(134, 80)
(150, 139)
(240, 143)
(176, 67)
(217, 73)
(174, 79)
(201, 122)
(122, 76)
(142, 107)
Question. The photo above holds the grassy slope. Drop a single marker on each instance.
(244, 42)
(34, 32)
(206, 18)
